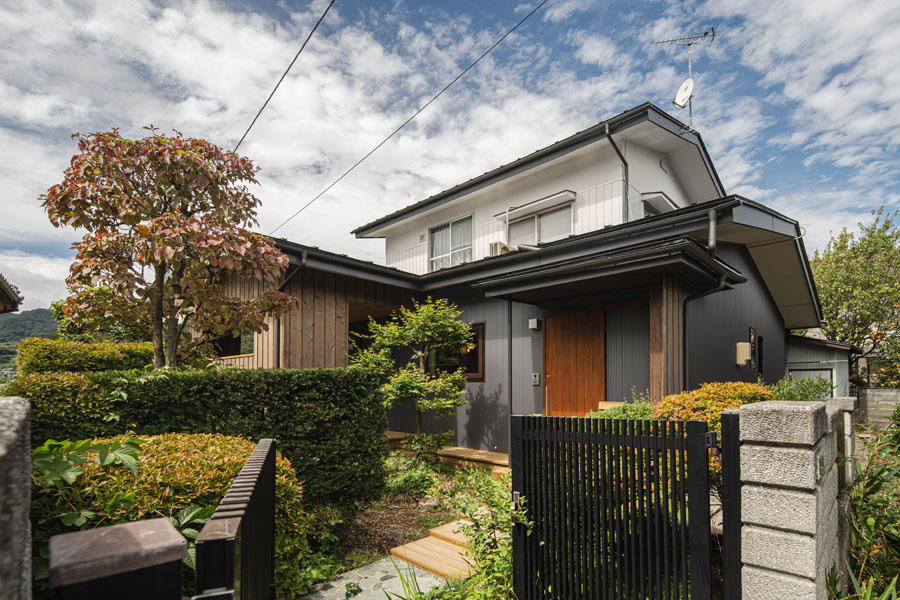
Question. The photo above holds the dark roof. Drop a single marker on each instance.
(629, 118)
(10, 298)
(827, 343)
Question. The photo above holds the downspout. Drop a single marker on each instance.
(722, 285)
(281, 287)
(624, 174)
(509, 349)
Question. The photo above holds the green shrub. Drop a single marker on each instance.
(174, 472)
(638, 410)
(801, 389)
(408, 475)
(40, 355)
(328, 422)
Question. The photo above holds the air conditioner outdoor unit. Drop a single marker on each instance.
(498, 248)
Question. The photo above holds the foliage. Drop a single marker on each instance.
(87, 329)
(328, 422)
(873, 512)
(886, 369)
(858, 284)
(486, 503)
(866, 590)
(175, 472)
(425, 330)
(800, 389)
(707, 402)
(408, 475)
(40, 355)
(167, 223)
(427, 444)
(641, 407)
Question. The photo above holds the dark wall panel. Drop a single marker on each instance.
(627, 353)
(717, 322)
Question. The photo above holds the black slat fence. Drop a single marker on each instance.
(620, 509)
(236, 547)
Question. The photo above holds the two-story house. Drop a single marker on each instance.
(607, 265)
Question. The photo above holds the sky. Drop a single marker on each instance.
(798, 101)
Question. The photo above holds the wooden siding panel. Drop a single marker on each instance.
(342, 321)
(309, 314)
(329, 322)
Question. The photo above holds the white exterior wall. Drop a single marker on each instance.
(594, 173)
(646, 175)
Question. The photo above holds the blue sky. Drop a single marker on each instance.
(798, 101)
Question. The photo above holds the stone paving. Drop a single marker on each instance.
(374, 580)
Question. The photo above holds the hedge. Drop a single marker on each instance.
(175, 471)
(329, 423)
(40, 355)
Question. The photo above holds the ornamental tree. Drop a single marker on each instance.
(424, 332)
(166, 221)
(858, 280)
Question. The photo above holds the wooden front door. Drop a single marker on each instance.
(574, 362)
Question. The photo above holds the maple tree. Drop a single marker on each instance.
(167, 223)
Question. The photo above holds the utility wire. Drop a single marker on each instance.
(406, 122)
(283, 75)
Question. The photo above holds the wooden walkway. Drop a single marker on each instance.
(441, 553)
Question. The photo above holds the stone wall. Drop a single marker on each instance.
(876, 405)
(15, 499)
(792, 533)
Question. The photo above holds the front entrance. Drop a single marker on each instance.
(574, 362)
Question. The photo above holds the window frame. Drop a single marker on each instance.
(470, 247)
(535, 218)
(479, 339)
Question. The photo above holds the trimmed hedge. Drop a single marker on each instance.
(329, 423)
(40, 355)
(175, 471)
(707, 402)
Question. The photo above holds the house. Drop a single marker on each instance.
(608, 265)
(809, 357)
(10, 298)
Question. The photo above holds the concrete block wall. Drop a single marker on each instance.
(791, 534)
(876, 405)
(15, 499)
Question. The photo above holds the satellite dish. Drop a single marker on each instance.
(684, 93)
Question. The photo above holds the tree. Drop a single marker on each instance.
(858, 279)
(166, 221)
(425, 331)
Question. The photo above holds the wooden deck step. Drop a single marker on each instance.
(499, 459)
(448, 532)
(437, 556)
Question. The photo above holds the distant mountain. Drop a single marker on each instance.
(16, 326)
(37, 322)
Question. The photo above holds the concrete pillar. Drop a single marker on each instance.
(789, 508)
(15, 499)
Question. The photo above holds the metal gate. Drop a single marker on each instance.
(620, 509)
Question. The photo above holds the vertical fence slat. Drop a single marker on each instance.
(517, 466)
(731, 504)
(558, 554)
(682, 498)
(698, 504)
(604, 530)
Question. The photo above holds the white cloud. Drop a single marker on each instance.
(40, 279)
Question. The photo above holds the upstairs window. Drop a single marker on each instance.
(541, 227)
(451, 244)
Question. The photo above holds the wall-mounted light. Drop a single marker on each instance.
(534, 324)
(742, 353)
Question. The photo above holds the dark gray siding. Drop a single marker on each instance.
(627, 353)
(717, 322)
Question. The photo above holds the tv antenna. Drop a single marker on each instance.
(685, 93)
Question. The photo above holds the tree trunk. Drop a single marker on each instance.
(159, 356)
(419, 429)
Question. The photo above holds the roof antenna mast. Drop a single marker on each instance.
(685, 93)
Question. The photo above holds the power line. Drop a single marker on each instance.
(283, 75)
(406, 122)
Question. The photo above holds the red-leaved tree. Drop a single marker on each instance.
(166, 221)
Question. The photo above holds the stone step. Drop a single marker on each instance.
(437, 556)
